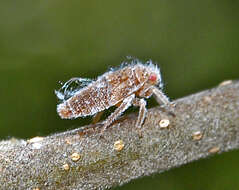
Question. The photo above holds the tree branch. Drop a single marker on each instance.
(204, 123)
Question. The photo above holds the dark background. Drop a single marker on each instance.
(196, 44)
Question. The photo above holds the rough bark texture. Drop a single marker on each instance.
(204, 123)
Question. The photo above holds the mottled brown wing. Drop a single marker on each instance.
(121, 83)
(90, 100)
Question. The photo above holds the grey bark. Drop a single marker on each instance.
(204, 124)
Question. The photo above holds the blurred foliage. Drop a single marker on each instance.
(196, 44)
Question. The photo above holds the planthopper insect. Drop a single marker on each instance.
(130, 84)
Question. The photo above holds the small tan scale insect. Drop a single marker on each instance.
(129, 85)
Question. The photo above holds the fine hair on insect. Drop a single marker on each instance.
(130, 84)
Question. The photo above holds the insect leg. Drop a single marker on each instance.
(163, 99)
(142, 111)
(127, 102)
(160, 96)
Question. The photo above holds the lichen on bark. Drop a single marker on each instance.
(203, 124)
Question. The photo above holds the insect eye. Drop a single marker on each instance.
(153, 77)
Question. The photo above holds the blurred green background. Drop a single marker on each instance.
(196, 44)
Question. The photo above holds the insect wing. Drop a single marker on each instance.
(71, 87)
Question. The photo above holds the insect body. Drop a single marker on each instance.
(129, 85)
